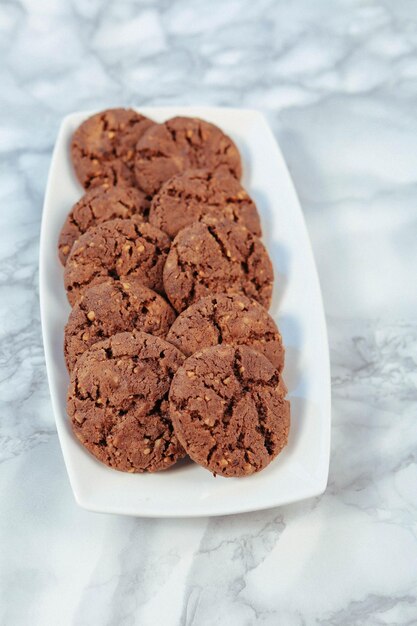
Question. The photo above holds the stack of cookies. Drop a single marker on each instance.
(169, 344)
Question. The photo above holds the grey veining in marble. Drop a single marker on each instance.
(338, 81)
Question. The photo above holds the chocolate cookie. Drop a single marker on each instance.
(229, 411)
(97, 206)
(119, 249)
(103, 147)
(227, 319)
(217, 256)
(118, 402)
(113, 307)
(187, 197)
(180, 144)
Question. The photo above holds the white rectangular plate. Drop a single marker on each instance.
(301, 470)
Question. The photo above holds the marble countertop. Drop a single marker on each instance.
(338, 82)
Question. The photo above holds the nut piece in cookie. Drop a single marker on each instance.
(113, 307)
(103, 147)
(119, 249)
(187, 197)
(179, 144)
(118, 402)
(227, 319)
(97, 206)
(217, 256)
(229, 412)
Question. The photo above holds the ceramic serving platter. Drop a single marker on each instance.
(187, 490)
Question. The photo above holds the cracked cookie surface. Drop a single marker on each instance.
(229, 411)
(179, 144)
(217, 256)
(118, 402)
(122, 249)
(103, 147)
(186, 198)
(100, 205)
(113, 307)
(231, 320)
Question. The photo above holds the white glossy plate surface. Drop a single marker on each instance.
(301, 470)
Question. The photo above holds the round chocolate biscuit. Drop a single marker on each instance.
(186, 198)
(120, 249)
(113, 307)
(217, 256)
(227, 319)
(103, 147)
(118, 402)
(180, 144)
(229, 411)
(100, 205)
